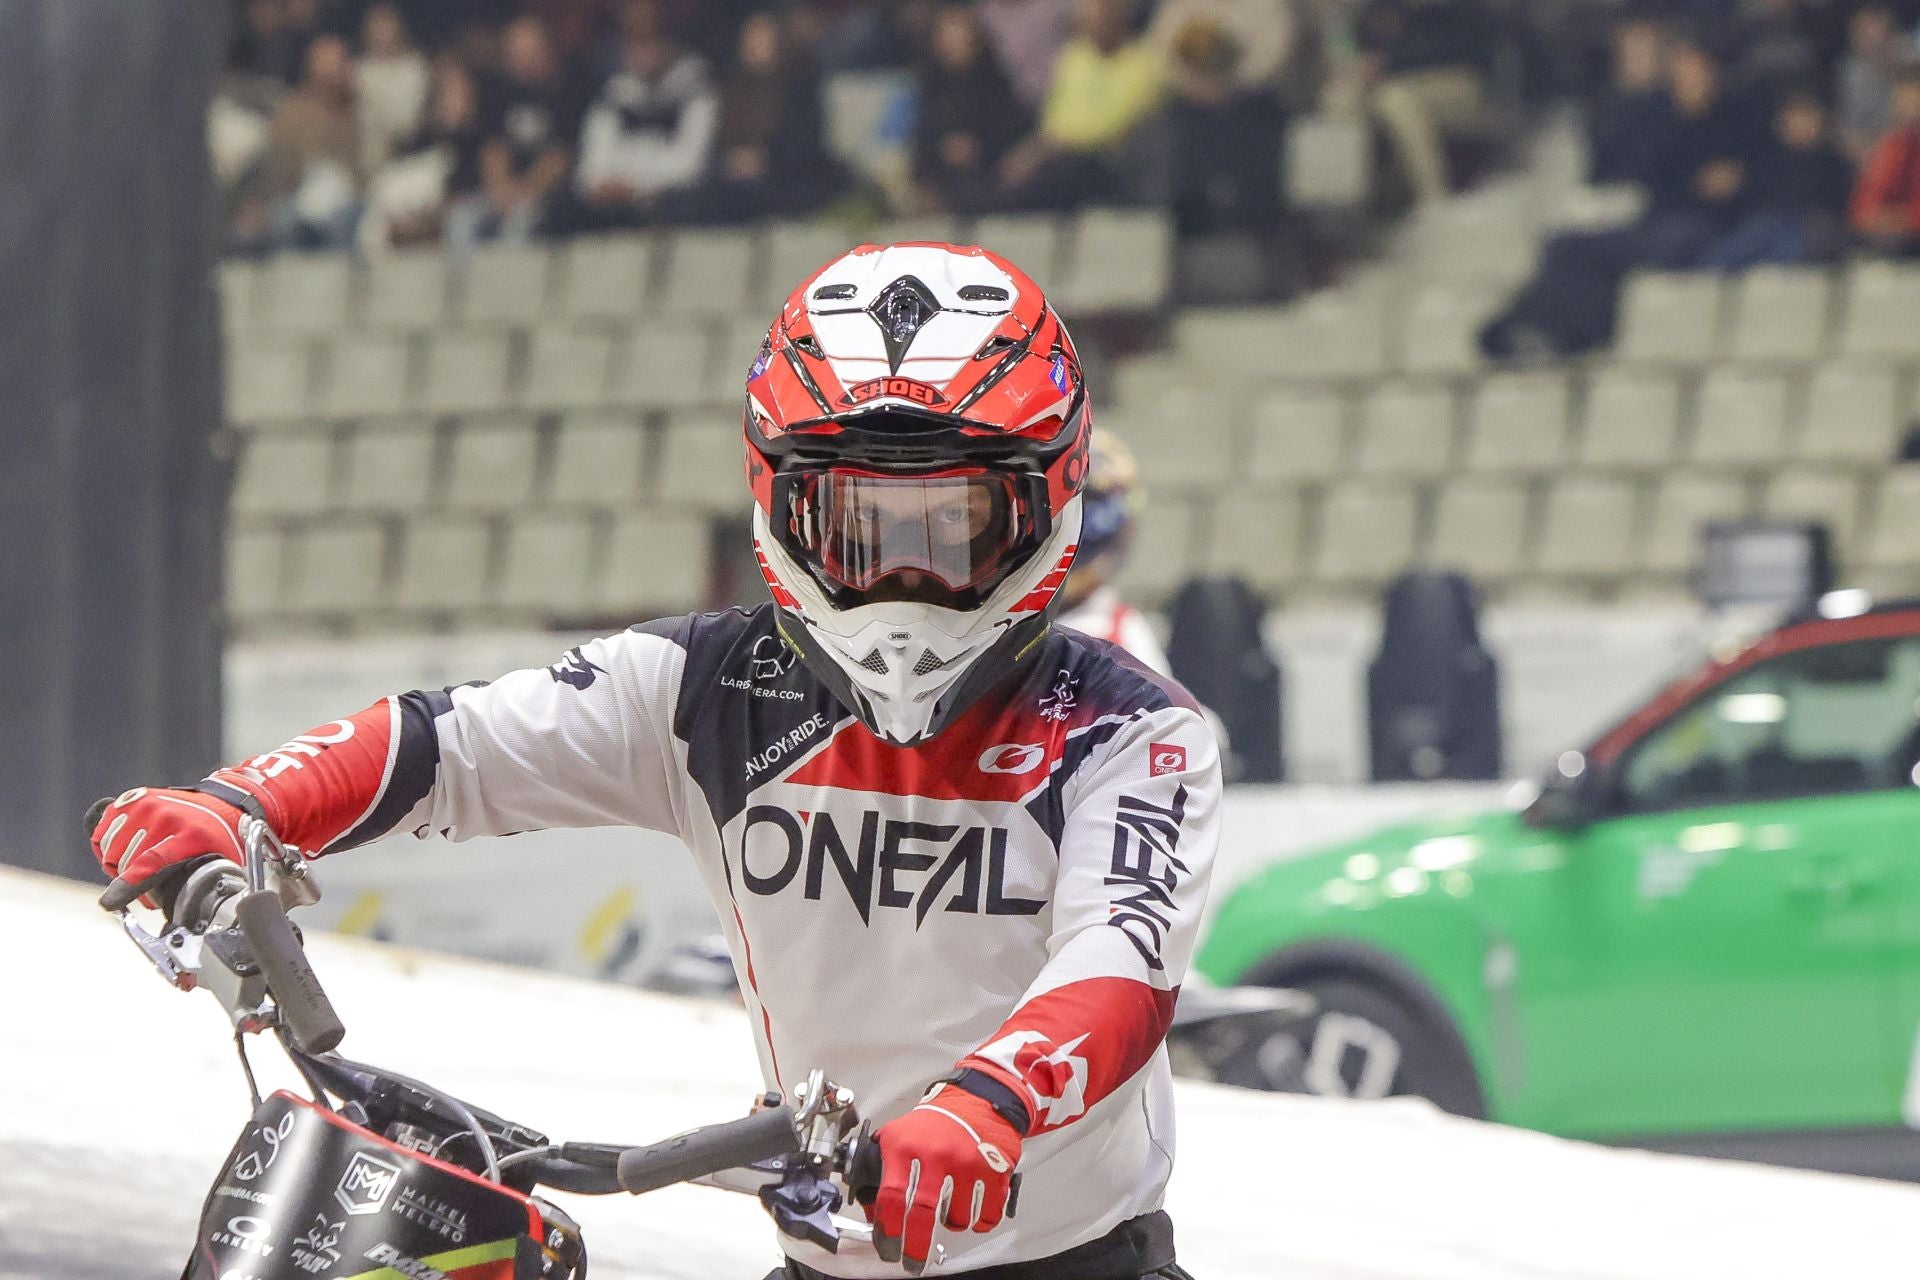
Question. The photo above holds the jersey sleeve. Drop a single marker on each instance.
(1135, 856)
(586, 742)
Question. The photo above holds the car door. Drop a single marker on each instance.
(1724, 963)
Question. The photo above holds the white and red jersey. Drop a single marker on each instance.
(1105, 616)
(1019, 894)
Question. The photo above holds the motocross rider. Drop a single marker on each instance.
(959, 855)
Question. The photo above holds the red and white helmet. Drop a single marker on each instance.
(917, 440)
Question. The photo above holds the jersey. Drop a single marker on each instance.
(1105, 616)
(1018, 894)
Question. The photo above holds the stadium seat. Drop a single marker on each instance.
(568, 369)
(1237, 342)
(935, 227)
(307, 293)
(1480, 529)
(1486, 235)
(1588, 528)
(1134, 380)
(1163, 551)
(492, 465)
(1186, 437)
(547, 565)
(1406, 428)
(1338, 334)
(1882, 316)
(1895, 535)
(1439, 331)
(702, 466)
(1827, 497)
(1670, 318)
(1631, 420)
(1681, 504)
(256, 571)
(443, 564)
(1366, 532)
(662, 365)
(1259, 536)
(405, 290)
(598, 460)
(1781, 313)
(388, 469)
(466, 372)
(505, 284)
(656, 563)
(1519, 423)
(240, 289)
(867, 120)
(1741, 419)
(794, 251)
(709, 273)
(369, 374)
(1297, 434)
(1852, 415)
(268, 383)
(342, 567)
(1329, 162)
(736, 346)
(605, 277)
(1118, 260)
(1030, 241)
(284, 474)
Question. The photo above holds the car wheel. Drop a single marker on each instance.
(1361, 1043)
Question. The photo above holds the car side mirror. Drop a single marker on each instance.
(1573, 795)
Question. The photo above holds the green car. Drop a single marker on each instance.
(1702, 934)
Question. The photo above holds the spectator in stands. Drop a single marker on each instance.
(1875, 55)
(1107, 82)
(391, 79)
(1224, 115)
(311, 174)
(436, 166)
(968, 118)
(1796, 209)
(649, 135)
(1027, 36)
(770, 153)
(530, 119)
(1778, 45)
(1886, 204)
(1623, 126)
(1423, 62)
(1697, 187)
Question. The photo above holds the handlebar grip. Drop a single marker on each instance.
(709, 1149)
(304, 1006)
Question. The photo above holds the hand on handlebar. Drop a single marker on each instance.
(949, 1161)
(144, 836)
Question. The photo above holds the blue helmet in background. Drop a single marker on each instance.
(1108, 505)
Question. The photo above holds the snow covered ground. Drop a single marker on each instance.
(119, 1096)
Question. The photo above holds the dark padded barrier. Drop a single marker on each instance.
(112, 502)
(1216, 651)
(1433, 693)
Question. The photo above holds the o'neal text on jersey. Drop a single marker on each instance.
(886, 864)
(1141, 829)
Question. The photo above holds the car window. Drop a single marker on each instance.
(1842, 717)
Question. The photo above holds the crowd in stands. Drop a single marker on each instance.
(373, 123)
(1766, 132)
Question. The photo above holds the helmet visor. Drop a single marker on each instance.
(943, 538)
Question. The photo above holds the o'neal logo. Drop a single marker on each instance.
(894, 865)
(897, 388)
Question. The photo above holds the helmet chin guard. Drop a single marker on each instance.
(917, 441)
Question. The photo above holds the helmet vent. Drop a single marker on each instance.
(833, 293)
(929, 662)
(983, 293)
(875, 663)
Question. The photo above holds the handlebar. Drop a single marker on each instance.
(709, 1150)
(304, 1008)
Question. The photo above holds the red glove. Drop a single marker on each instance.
(949, 1160)
(148, 831)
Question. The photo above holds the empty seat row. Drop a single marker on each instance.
(657, 364)
(1596, 530)
(1618, 418)
(585, 460)
(552, 567)
(1099, 260)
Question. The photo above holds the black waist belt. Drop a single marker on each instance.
(1134, 1249)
